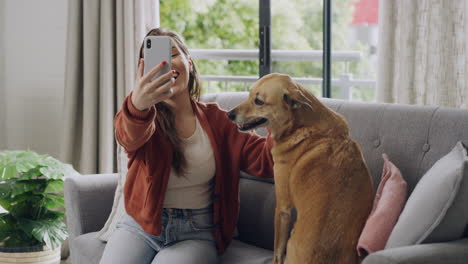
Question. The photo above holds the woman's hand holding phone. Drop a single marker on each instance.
(146, 92)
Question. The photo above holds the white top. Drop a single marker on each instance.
(193, 190)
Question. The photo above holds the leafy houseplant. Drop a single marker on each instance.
(31, 188)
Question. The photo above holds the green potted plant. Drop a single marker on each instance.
(31, 192)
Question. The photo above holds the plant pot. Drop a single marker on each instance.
(30, 255)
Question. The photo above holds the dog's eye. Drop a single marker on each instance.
(259, 102)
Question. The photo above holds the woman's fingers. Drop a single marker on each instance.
(152, 92)
(165, 89)
(153, 72)
(162, 93)
(163, 79)
(166, 95)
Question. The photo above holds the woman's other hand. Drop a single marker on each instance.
(147, 92)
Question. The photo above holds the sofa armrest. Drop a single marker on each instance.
(88, 202)
(453, 252)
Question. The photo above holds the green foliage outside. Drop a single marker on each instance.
(31, 187)
(233, 24)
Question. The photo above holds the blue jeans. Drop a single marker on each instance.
(186, 237)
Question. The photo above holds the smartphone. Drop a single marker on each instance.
(156, 50)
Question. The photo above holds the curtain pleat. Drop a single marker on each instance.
(102, 49)
(422, 52)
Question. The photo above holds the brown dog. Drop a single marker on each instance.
(318, 169)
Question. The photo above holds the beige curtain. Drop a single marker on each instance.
(102, 48)
(422, 52)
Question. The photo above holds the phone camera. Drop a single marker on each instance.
(148, 43)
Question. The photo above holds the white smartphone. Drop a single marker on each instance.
(156, 50)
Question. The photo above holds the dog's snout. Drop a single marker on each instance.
(232, 115)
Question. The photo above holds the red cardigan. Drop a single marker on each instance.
(150, 159)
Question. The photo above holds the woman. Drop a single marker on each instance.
(182, 186)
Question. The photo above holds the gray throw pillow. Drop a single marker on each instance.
(436, 210)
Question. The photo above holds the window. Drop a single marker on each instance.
(225, 35)
(222, 36)
(354, 32)
(297, 41)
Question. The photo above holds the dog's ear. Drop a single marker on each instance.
(291, 102)
(296, 99)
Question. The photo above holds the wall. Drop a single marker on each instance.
(3, 138)
(34, 39)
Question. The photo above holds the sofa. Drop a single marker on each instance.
(414, 137)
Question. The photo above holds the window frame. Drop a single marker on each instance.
(265, 43)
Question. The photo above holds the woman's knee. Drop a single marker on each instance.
(126, 247)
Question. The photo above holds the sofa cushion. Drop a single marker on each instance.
(434, 211)
(257, 211)
(388, 202)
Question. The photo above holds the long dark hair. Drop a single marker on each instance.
(165, 116)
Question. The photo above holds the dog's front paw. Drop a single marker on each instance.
(278, 259)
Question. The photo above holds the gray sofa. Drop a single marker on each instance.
(414, 137)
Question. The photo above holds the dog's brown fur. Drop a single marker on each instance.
(318, 169)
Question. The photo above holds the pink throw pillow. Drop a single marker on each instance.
(388, 204)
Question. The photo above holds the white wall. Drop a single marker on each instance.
(3, 138)
(34, 39)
